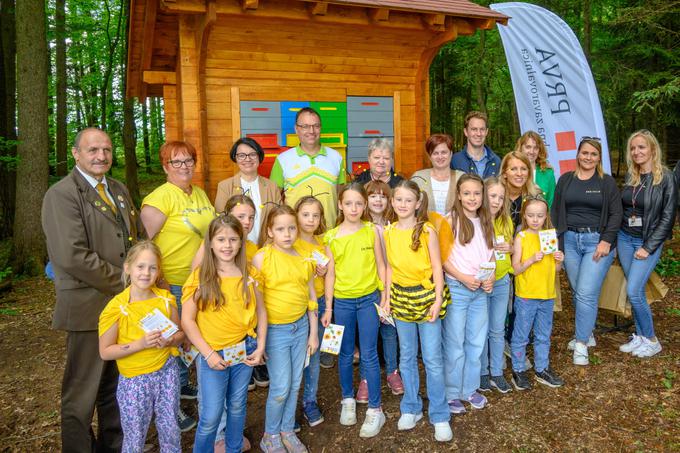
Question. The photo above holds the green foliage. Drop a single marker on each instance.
(668, 265)
(4, 273)
(668, 379)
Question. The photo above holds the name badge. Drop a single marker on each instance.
(635, 221)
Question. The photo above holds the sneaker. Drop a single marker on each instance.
(484, 384)
(648, 348)
(591, 343)
(312, 413)
(456, 407)
(292, 443)
(326, 360)
(408, 421)
(271, 443)
(261, 376)
(500, 384)
(549, 378)
(188, 392)
(580, 354)
(373, 423)
(251, 384)
(395, 383)
(348, 415)
(362, 393)
(442, 432)
(477, 400)
(185, 422)
(634, 343)
(520, 380)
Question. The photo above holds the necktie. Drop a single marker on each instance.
(105, 198)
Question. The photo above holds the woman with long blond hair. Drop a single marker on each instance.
(649, 198)
(531, 144)
(517, 176)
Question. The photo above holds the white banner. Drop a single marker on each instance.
(554, 88)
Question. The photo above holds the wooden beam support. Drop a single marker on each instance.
(160, 78)
(434, 22)
(317, 8)
(249, 4)
(148, 30)
(465, 27)
(379, 14)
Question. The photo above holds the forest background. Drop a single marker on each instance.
(63, 64)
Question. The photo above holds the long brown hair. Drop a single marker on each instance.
(381, 188)
(504, 213)
(463, 228)
(421, 212)
(311, 199)
(542, 157)
(536, 199)
(356, 187)
(209, 292)
(281, 209)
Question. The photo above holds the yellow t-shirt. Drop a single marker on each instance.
(305, 249)
(128, 315)
(504, 266)
(187, 221)
(356, 273)
(285, 279)
(233, 320)
(538, 281)
(409, 268)
(444, 234)
(251, 250)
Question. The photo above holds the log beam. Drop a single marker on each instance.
(379, 14)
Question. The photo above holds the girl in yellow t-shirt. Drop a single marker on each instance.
(357, 270)
(149, 376)
(290, 299)
(492, 356)
(534, 295)
(221, 312)
(416, 300)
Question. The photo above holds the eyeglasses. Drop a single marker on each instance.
(306, 127)
(596, 139)
(189, 163)
(242, 157)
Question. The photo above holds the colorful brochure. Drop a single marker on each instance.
(235, 354)
(486, 270)
(384, 316)
(156, 320)
(500, 256)
(189, 356)
(548, 240)
(332, 339)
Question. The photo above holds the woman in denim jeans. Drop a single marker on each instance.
(587, 214)
(649, 198)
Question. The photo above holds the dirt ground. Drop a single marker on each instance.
(618, 403)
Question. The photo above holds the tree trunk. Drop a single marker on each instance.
(7, 115)
(60, 36)
(32, 170)
(129, 127)
(145, 133)
(587, 28)
(481, 102)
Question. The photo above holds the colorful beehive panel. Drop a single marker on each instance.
(258, 117)
(368, 117)
(289, 110)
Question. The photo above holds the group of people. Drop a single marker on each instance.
(448, 263)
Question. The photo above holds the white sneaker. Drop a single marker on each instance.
(375, 419)
(442, 432)
(634, 343)
(408, 421)
(348, 416)
(580, 354)
(591, 343)
(648, 348)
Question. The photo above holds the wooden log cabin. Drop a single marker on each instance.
(232, 68)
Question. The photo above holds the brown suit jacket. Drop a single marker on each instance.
(87, 246)
(232, 186)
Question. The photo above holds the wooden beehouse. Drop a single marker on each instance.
(232, 68)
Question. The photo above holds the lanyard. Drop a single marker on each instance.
(637, 192)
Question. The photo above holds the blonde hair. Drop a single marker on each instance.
(598, 146)
(462, 227)
(542, 157)
(633, 177)
(504, 213)
(529, 188)
(134, 253)
(536, 199)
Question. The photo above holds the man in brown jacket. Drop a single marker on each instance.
(90, 223)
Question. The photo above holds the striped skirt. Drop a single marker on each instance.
(412, 303)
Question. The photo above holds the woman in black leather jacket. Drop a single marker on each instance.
(649, 198)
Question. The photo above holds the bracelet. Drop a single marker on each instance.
(208, 356)
(328, 309)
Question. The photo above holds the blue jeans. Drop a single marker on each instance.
(431, 346)
(492, 355)
(311, 373)
(536, 314)
(359, 312)
(585, 277)
(465, 327)
(637, 273)
(286, 351)
(389, 344)
(222, 390)
(176, 291)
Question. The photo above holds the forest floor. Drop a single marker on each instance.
(618, 403)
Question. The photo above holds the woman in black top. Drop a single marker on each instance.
(587, 214)
(649, 199)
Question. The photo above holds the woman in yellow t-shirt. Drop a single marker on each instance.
(221, 312)
(149, 376)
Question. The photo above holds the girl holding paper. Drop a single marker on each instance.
(290, 299)
(221, 311)
(149, 376)
(417, 303)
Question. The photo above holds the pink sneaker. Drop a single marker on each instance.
(394, 383)
(362, 393)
